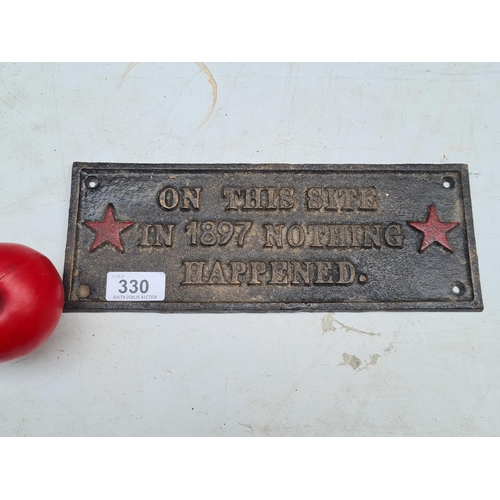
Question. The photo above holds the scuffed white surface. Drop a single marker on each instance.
(250, 374)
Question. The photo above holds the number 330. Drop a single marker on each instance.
(135, 286)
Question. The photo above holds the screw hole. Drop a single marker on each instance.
(458, 288)
(83, 291)
(448, 183)
(92, 182)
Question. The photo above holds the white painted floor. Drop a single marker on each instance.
(277, 374)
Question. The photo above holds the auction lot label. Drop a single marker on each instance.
(135, 286)
(270, 237)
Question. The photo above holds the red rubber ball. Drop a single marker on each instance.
(31, 300)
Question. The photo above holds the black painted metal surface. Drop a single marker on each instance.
(270, 237)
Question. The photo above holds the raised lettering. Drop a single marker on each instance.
(317, 231)
(256, 269)
(162, 235)
(230, 194)
(313, 199)
(237, 270)
(252, 198)
(341, 199)
(168, 198)
(324, 276)
(368, 199)
(190, 197)
(333, 199)
(193, 273)
(337, 235)
(298, 270)
(267, 198)
(287, 198)
(372, 233)
(394, 236)
(274, 235)
(347, 273)
(295, 236)
(357, 235)
(217, 275)
(258, 198)
(348, 196)
(279, 274)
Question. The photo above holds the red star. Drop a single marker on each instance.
(108, 230)
(434, 230)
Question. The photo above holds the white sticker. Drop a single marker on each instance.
(135, 286)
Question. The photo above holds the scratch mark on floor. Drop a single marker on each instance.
(213, 83)
(128, 69)
(14, 109)
(328, 324)
(8, 430)
(9, 92)
(468, 424)
(18, 361)
(24, 209)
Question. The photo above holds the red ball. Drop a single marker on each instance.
(31, 300)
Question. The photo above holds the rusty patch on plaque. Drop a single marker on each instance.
(231, 237)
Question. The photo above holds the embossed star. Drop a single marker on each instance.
(108, 230)
(434, 230)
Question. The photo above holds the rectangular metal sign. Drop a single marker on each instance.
(231, 237)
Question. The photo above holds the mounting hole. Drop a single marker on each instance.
(448, 183)
(83, 291)
(458, 288)
(92, 182)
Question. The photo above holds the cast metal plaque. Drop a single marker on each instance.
(171, 237)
